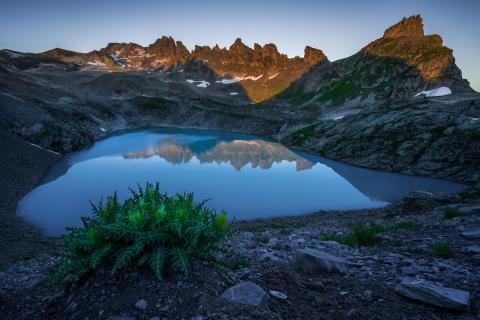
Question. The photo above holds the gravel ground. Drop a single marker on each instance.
(21, 168)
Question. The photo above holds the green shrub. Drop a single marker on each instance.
(367, 234)
(407, 225)
(360, 234)
(470, 194)
(442, 250)
(450, 213)
(149, 229)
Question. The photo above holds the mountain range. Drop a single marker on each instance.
(398, 104)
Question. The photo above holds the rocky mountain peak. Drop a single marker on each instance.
(239, 47)
(164, 46)
(181, 50)
(59, 52)
(408, 27)
(405, 43)
(313, 55)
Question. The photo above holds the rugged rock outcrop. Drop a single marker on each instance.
(406, 42)
(439, 138)
(401, 64)
(408, 27)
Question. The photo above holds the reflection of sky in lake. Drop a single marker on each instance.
(247, 176)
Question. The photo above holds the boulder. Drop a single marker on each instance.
(247, 293)
(312, 261)
(429, 293)
(141, 304)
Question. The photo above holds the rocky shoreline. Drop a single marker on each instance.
(287, 268)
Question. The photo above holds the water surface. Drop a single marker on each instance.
(248, 176)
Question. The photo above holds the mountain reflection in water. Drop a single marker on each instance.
(248, 176)
(238, 153)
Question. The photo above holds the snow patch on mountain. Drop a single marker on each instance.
(199, 83)
(273, 76)
(117, 60)
(37, 146)
(238, 79)
(253, 78)
(438, 92)
(226, 81)
(96, 63)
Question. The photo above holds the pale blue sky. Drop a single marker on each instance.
(339, 27)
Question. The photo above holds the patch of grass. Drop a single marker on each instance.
(470, 194)
(450, 213)
(442, 250)
(367, 234)
(155, 103)
(261, 238)
(406, 225)
(302, 134)
(341, 91)
(149, 229)
(359, 235)
(233, 260)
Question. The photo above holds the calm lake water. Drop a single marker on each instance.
(248, 176)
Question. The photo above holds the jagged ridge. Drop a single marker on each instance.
(253, 67)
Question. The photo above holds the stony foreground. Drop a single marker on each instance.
(291, 273)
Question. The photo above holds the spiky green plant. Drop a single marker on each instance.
(149, 229)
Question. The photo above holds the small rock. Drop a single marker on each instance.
(472, 234)
(278, 294)
(317, 286)
(247, 293)
(299, 243)
(430, 293)
(368, 295)
(273, 242)
(141, 304)
(473, 249)
(270, 256)
(72, 307)
(469, 209)
(313, 261)
(409, 270)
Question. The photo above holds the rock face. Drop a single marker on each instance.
(430, 293)
(408, 27)
(415, 139)
(314, 261)
(406, 42)
(247, 293)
